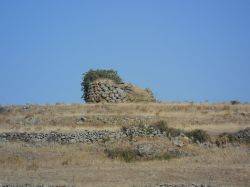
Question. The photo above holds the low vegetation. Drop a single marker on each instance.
(224, 139)
(163, 127)
(242, 136)
(130, 154)
(198, 135)
(2, 109)
(235, 102)
(127, 154)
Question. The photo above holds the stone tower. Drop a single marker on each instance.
(107, 91)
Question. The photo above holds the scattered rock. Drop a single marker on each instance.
(181, 140)
(177, 142)
(81, 120)
(161, 151)
(181, 185)
(31, 120)
(27, 107)
(243, 135)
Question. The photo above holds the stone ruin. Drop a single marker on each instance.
(107, 91)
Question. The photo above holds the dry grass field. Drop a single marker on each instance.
(85, 164)
(215, 118)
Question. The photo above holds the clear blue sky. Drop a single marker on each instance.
(183, 50)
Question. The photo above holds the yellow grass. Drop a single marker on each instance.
(215, 118)
(87, 165)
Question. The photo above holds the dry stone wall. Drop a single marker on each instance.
(83, 136)
(110, 92)
(158, 185)
(106, 135)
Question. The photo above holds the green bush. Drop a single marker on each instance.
(224, 139)
(150, 93)
(242, 136)
(124, 129)
(235, 102)
(163, 127)
(2, 109)
(230, 137)
(198, 135)
(93, 75)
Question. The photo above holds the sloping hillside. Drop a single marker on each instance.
(215, 118)
(127, 144)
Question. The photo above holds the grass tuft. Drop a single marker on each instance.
(198, 135)
(126, 154)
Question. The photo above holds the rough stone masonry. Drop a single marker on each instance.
(83, 136)
(159, 185)
(106, 91)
